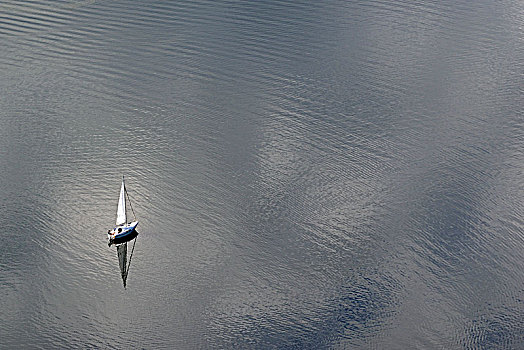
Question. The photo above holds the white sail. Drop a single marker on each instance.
(121, 211)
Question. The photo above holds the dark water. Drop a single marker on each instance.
(335, 174)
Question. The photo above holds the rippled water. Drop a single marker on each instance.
(336, 174)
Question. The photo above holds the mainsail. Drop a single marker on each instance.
(121, 211)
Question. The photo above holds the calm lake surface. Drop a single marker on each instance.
(332, 174)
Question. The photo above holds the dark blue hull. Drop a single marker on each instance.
(124, 237)
(125, 233)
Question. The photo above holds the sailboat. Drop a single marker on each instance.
(124, 230)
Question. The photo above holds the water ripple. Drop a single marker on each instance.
(306, 175)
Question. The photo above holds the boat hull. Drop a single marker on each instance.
(123, 233)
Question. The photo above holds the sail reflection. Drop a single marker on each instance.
(124, 260)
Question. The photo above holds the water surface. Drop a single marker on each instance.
(343, 174)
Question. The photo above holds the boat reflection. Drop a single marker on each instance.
(123, 259)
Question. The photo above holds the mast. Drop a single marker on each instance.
(129, 200)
